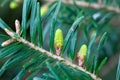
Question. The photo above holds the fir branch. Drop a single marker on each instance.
(96, 6)
(56, 57)
(49, 54)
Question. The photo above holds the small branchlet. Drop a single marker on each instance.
(82, 55)
(17, 26)
(58, 41)
(7, 42)
(12, 34)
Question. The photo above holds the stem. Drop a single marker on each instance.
(56, 57)
(96, 6)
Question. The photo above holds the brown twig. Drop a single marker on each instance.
(56, 57)
(59, 58)
(96, 6)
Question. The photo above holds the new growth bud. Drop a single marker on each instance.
(82, 55)
(9, 32)
(15, 4)
(43, 10)
(58, 41)
(6, 43)
(17, 26)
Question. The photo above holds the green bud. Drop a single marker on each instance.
(83, 50)
(58, 38)
(14, 5)
(43, 10)
(58, 41)
(82, 55)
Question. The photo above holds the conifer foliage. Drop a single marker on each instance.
(72, 50)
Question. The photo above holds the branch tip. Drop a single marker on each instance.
(9, 32)
(17, 26)
(7, 42)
